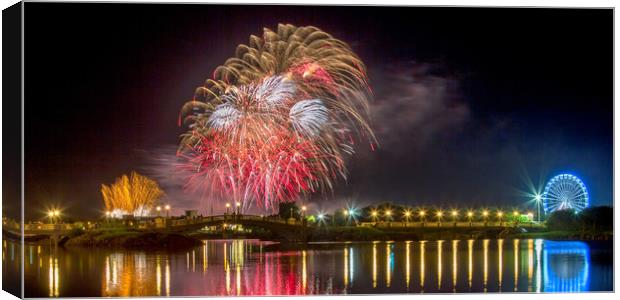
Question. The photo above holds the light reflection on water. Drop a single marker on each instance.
(245, 267)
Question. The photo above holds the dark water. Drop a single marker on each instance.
(245, 267)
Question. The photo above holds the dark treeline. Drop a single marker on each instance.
(598, 218)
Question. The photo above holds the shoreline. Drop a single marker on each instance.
(166, 240)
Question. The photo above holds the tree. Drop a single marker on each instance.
(597, 218)
(285, 209)
(563, 220)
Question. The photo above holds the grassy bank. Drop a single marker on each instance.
(131, 239)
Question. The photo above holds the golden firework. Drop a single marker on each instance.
(134, 194)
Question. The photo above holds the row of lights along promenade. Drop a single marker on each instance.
(358, 217)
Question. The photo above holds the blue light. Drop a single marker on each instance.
(566, 266)
(565, 191)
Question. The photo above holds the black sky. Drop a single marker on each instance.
(470, 102)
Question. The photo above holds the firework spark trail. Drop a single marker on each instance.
(134, 194)
(277, 120)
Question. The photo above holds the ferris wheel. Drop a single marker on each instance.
(565, 191)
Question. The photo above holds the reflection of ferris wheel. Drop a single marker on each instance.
(565, 191)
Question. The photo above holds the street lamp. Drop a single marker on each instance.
(422, 214)
(388, 214)
(530, 216)
(303, 211)
(485, 215)
(167, 207)
(407, 216)
(53, 214)
(50, 214)
(470, 215)
(455, 214)
(439, 215)
(538, 199)
(238, 207)
(227, 207)
(158, 208)
(374, 214)
(515, 216)
(321, 218)
(500, 214)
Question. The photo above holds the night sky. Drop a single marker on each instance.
(470, 104)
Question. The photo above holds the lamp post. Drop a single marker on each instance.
(470, 215)
(439, 215)
(303, 212)
(107, 216)
(530, 216)
(485, 215)
(422, 214)
(50, 214)
(238, 207)
(454, 216)
(167, 207)
(515, 216)
(407, 217)
(54, 215)
(538, 199)
(388, 215)
(158, 209)
(499, 217)
(227, 208)
(346, 216)
(373, 215)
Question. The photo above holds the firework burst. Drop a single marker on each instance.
(131, 195)
(278, 119)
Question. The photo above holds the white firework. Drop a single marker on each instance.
(224, 116)
(269, 95)
(274, 91)
(309, 116)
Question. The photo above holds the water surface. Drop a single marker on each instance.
(250, 267)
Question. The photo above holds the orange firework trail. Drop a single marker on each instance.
(278, 119)
(131, 195)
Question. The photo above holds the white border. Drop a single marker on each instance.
(497, 3)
